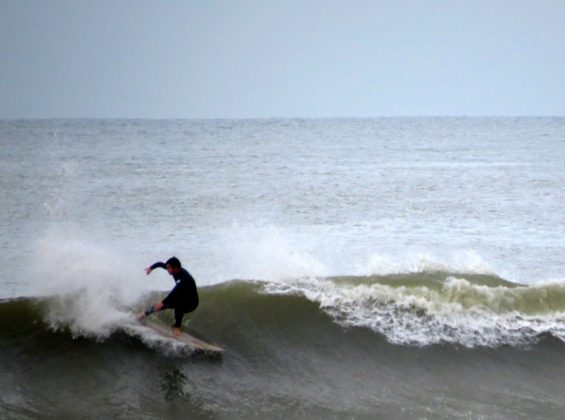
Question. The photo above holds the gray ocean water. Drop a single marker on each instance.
(351, 268)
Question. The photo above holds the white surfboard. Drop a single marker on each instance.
(187, 339)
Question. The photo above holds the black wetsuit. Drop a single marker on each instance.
(184, 296)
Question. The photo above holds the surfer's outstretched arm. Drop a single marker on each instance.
(158, 264)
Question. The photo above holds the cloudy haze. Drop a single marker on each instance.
(240, 59)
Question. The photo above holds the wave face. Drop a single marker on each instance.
(302, 348)
(414, 309)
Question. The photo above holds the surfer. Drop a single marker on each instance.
(183, 298)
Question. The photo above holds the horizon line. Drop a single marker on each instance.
(271, 118)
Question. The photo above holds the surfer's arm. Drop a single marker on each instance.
(154, 308)
(150, 310)
(158, 264)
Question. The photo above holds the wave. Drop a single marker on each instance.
(434, 308)
(299, 347)
(416, 309)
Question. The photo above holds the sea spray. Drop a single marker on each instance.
(417, 261)
(90, 288)
(266, 252)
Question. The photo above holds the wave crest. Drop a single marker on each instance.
(439, 308)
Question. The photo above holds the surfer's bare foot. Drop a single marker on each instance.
(140, 317)
(176, 332)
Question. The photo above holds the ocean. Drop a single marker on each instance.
(350, 268)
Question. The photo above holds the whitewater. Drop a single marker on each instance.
(378, 246)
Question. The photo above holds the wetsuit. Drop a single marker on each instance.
(184, 296)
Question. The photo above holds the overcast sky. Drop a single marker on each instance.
(307, 58)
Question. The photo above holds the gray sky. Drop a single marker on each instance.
(206, 59)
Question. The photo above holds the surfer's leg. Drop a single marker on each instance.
(179, 313)
(178, 321)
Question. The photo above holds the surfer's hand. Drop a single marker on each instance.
(148, 270)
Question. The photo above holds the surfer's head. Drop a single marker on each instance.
(173, 265)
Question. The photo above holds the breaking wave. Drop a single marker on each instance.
(417, 309)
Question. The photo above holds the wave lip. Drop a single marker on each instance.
(437, 308)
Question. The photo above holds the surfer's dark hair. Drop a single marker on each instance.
(174, 262)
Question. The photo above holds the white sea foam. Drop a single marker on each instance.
(90, 288)
(460, 312)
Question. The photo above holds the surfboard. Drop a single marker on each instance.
(192, 342)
